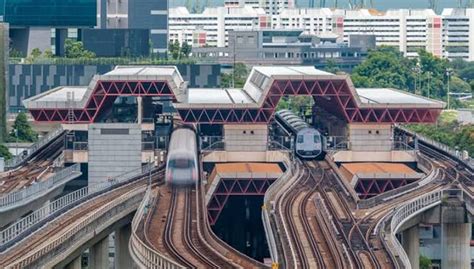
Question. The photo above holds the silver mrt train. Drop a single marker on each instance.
(182, 159)
(308, 140)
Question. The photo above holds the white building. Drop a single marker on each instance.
(458, 32)
(446, 35)
(211, 27)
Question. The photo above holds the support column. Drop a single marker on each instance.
(75, 264)
(411, 245)
(455, 243)
(139, 109)
(99, 254)
(123, 260)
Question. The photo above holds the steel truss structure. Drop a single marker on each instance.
(334, 95)
(232, 187)
(367, 188)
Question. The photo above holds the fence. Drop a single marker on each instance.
(440, 146)
(18, 229)
(19, 159)
(32, 192)
(217, 143)
(142, 254)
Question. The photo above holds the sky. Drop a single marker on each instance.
(379, 4)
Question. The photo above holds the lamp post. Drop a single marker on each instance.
(448, 74)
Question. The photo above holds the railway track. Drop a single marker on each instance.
(180, 233)
(61, 224)
(35, 169)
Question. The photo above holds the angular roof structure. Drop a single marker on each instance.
(254, 103)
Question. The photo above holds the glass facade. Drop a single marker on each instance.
(49, 12)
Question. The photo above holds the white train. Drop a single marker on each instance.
(182, 160)
(308, 140)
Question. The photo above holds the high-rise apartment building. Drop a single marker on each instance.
(447, 35)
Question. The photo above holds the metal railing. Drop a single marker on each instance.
(19, 159)
(144, 256)
(455, 153)
(81, 231)
(20, 227)
(403, 214)
(33, 191)
(215, 143)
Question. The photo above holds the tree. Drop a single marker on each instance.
(48, 53)
(22, 129)
(174, 49)
(75, 49)
(425, 262)
(35, 53)
(4, 152)
(236, 78)
(185, 49)
(331, 66)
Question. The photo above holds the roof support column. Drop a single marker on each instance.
(411, 244)
(99, 254)
(122, 254)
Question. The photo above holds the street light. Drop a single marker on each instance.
(448, 74)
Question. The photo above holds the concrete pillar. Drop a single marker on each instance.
(99, 254)
(140, 109)
(123, 260)
(411, 245)
(455, 243)
(75, 264)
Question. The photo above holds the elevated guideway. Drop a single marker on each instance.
(16, 204)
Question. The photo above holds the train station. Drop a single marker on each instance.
(249, 155)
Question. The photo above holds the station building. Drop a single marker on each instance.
(117, 122)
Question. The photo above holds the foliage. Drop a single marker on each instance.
(178, 51)
(75, 49)
(386, 67)
(236, 78)
(23, 128)
(4, 152)
(35, 53)
(48, 53)
(425, 262)
(331, 66)
(106, 61)
(448, 131)
(15, 53)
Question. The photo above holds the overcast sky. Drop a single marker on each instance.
(379, 4)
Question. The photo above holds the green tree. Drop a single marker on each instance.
(174, 49)
(236, 78)
(75, 49)
(186, 50)
(48, 54)
(425, 262)
(331, 66)
(35, 53)
(4, 152)
(22, 128)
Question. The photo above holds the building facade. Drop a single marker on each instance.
(444, 35)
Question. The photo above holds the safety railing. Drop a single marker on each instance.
(144, 256)
(268, 208)
(403, 214)
(81, 231)
(19, 159)
(32, 192)
(440, 146)
(214, 143)
(18, 229)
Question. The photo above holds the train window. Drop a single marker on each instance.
(316, 139)
(300, 139)
(181, 163)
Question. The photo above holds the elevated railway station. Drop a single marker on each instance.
(338, 211)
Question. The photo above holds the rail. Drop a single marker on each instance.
(32, 192)
(144, 256)
(469, 162)
(98, 220)
(272, 245)
(19, 159)
(23, 227)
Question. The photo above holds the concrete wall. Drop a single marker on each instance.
(113, 150)
(26, 80)
(370, 137)
(245, 137)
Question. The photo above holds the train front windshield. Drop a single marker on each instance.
(182, 170)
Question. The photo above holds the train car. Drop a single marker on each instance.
(182, 160)
(308, 140)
